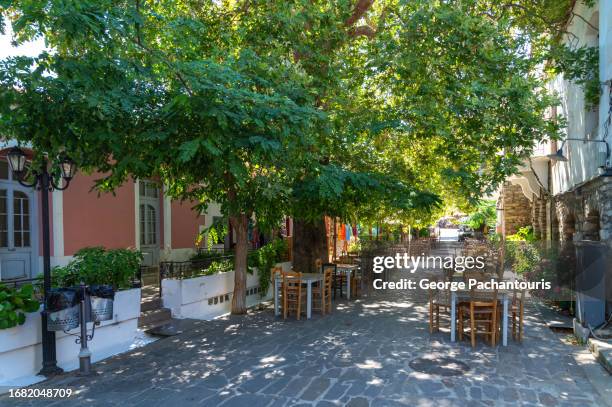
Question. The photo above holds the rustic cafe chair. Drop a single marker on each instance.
(338, 279)
(318, 266)
(277, 271)
(322, 293)
(293, 294)
(482, 311)
(356, 282)
(517, 310)
(439, 300)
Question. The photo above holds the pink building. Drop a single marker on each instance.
(138, 215)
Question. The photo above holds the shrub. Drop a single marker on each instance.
(98, 266)
(15, 303)
(264, 259)
(522, 251)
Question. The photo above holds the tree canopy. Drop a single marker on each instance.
(357, 109)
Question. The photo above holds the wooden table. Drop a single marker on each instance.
(347, 269)
(308, 279)
(464, 295)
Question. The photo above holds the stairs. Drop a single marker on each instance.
(152, 313)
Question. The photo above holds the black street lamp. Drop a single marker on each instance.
(44, 182)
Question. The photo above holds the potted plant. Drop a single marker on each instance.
(15, 303)
(104, 271)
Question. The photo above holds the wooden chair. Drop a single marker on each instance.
(438, 300)
(482, 311)
(318, 266)
(356, 279)
(517, 308)
(322, 293)
(338, 279)
(293, 294)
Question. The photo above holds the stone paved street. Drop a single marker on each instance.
(358, 356)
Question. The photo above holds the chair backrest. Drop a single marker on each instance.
(327, 278)
(518, 294)
(331, 266)
(275, 271)
(291, 279)
(481, 298)
(318, 266)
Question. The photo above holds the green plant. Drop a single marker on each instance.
(354, 246)
(97, 265)
(522, 251)
(15, 303)
(484, 216)
(523, 234)
(220, 266)
(264, 259)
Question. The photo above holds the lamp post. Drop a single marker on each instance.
(43, 182)
(558, 156)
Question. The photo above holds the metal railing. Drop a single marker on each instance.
(16, 283)
(187, 269)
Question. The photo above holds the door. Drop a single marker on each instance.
(17, 232)
(149, 222)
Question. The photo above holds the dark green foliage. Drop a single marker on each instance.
(485, 215)
(265, 258)
(99, 266)
(15, 303)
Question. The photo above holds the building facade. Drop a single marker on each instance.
(138, 215)
(570, 200)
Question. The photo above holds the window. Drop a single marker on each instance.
(148, 189)
(21, 219)
(148, 225)
(3, 219)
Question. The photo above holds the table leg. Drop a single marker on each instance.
(276, 310)
(348, 285)
(505, 322)
(309, 300)
(453, 315)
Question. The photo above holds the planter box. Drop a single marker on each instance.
(208, 297)
(21, 349)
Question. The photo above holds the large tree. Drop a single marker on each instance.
(356, 109)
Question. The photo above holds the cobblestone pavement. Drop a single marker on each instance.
(358, 356)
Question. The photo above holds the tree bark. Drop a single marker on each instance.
(240, 225)
(309, 244)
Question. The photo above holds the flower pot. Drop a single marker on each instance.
(63, 320)
(101, 309)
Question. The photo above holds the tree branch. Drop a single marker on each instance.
(359, 11)
(362, 30)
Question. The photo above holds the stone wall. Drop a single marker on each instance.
(516, 208)
(586, 212)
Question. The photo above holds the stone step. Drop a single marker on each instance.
(602, 350)
(150, 304)
(156, 317)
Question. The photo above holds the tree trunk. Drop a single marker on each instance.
(309, 244)
(240, 225)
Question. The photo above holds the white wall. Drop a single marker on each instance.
(584, 158)
(21, 349)
(189, 298)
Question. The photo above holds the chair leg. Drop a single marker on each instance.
(494, 329)
(460, 327)
(472, 330)
(430, 317)
(520, 327)
(284, 306)
(437, 318)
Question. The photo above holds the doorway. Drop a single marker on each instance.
(18, 235)
(149, 222)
